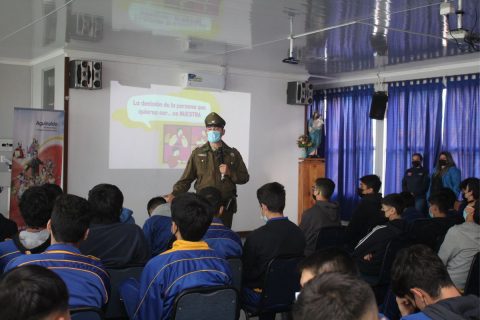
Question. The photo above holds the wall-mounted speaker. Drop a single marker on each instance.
(85, 74)
(299, 93)
(379, 105)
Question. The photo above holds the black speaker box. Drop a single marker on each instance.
(85, 74)
(379, 105)
(299, 93)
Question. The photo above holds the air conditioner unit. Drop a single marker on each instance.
(203, 81)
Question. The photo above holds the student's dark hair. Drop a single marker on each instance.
(394, 200)
(325, 186)
(35, 207)
(155, 202)
(473, 185)
(334, 296)
(30, 293)
(107, 202)
(418, 155)
(214, 197)
(372, 181)
(444, 199)
(70, 218)
(192, 214)
(53, 191)
(329, 260)
(273, 196)
(408, 199)
(419, 267)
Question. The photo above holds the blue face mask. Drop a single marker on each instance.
(214, 136)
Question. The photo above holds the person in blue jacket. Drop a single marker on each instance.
(445, 175)
(88, 283)
(190, 263)
(157, 227)
(219, 237)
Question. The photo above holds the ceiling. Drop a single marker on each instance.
(251, 34)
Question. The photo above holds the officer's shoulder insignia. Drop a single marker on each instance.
(201, 155)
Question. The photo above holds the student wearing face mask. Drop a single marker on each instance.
(217, 165)
(445, 175)
(416, 181)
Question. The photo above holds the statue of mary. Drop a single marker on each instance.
(315, 130)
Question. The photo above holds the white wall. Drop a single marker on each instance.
(273, 130)
(14, 92)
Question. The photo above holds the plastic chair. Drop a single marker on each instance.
(236, 267)
(331, 237)
(282, 280)
(115, 307)
(86, 313)
(207, 303)
(473, 279)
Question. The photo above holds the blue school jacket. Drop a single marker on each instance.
(157, 232)
(13, 248)
(87, 281)
(223, 240)
(186, 265)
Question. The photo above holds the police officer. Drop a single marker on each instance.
(215, 164)
(416, 181)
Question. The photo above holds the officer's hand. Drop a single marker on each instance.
(224, 169)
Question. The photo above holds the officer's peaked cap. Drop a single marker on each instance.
(214, 120)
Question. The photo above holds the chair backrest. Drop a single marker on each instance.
(282, 280)
(86, 313)
(207, 303)
(236, 266)
(115, 307)
(472, 286)
(331, 237)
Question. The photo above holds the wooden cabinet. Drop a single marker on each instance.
(309, 169)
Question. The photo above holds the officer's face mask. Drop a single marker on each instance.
(214, 136)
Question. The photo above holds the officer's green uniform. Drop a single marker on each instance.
(202, 167)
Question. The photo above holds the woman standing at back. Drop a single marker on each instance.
(445, 175)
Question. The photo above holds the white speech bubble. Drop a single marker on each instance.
(148, 108)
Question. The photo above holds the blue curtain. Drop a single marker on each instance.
(349, 142)
(461, 134)
(414, 124)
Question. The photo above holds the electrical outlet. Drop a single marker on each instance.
(6, 145)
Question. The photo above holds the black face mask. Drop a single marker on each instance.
(416, 164)
(442, 162)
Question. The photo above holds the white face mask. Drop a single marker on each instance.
(263, 217)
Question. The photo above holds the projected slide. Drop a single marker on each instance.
(158, 127)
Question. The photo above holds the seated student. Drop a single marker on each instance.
(278, 237)
(220, 238)
(190, 263)
(421, 282)
(368, 213)
(33, 292)
(126, 216)
(459, 247)
(87, 282)
(157, 227)
(471, 192)
(35, 210)
(336, 296)
(410, 212)
(118, 245)
(324, 213)
(326, 260)
(431, 233)
(370, 250)
(451, 199)
(53, 191)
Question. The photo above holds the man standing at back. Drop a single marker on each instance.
(368, 213)
(215, 164)
(323, 214)
(416, 181)
(278, 237)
